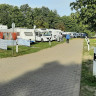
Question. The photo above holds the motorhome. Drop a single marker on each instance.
(56, 34)
(42, 35)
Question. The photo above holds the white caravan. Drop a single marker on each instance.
(27, 34)
(42, 35)
(56, 34)
(3, 27)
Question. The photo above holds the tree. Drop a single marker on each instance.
(25, 16)
(87, 13)
(52, 18)
(17, 17)
(70, 24)
(5, 14)
(27, 12)
(40, 17)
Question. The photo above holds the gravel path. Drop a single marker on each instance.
(51, 72)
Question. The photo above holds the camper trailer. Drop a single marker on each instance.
(56, 34)
(42, 35)
(27, 34)
(3, 26)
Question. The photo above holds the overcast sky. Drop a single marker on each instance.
(62, 6)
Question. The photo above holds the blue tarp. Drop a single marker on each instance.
(23, 42)
(10, 42)
(3, 44)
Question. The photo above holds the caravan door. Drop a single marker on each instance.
(38, 36)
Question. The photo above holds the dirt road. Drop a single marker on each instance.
(50, 72)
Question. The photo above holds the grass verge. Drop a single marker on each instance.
(26, 50)
(88, 81)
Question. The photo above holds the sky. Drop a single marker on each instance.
(62, 6)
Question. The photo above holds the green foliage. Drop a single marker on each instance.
(70, 24)
(87, 76)
(88, 81)
(28, 16)
(25, 16)
(5, 14)
(87, 14)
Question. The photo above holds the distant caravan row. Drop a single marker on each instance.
(34, 35)
(75, 34)
(31, 34)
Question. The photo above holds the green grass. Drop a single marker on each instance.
(92, 44)
(88, 81)
(26, 50)
(87, 74)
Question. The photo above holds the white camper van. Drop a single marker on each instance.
(27, 34)
(42, 35)
(56, 34)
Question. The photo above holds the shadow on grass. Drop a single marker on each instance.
(53, 79)
(9, 48)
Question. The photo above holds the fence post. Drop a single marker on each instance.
(88, 42)
(17, 46)
(50, 41)
(94, 62)
(86, 38)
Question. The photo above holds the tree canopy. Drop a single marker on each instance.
(86, 10)
(25, 16)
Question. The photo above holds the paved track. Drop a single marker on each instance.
(50, 72)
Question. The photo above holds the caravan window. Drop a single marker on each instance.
(28, 33)
(40, 34)
(47, 34)
(74, 34)
(36, 33)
